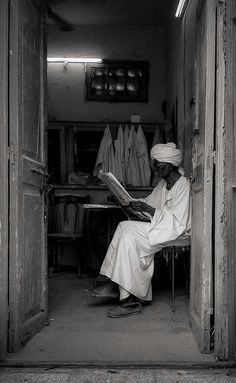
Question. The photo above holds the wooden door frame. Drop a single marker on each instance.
(4, 178)
(230, 120)
(201, 326)
(225, 209)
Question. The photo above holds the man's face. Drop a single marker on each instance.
(162, 168)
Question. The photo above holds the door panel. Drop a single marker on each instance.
(28, 265)
(4, 178)
(201, 303)
(31, 83)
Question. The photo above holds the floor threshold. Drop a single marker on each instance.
(117, 364)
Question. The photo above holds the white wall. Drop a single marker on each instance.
(181, 80)
(66, 93)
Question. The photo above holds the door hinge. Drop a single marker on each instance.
(211, 311)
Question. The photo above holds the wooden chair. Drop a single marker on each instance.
(69, 224)
(172, 251)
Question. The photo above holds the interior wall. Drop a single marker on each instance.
(66, 86)
(175, 56)
(181, 81)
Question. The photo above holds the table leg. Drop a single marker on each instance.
(108, 230)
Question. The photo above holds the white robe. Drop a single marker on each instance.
(126, 152)
(129, 260)
(105, 157)
(143, 158)
(120, 156)
(131, 160)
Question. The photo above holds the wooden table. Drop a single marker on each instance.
(97, 207)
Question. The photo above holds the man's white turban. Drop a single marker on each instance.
(167, 153)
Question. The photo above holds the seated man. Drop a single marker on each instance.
(129, 261)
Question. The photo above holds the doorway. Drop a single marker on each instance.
(40, 305)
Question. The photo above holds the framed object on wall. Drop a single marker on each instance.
(117, 81)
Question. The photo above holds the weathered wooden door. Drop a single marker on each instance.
(4, 178)
(201, 306)
(27, 255)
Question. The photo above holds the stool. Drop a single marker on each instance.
(174, 248)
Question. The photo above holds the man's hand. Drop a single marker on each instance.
(142, 207)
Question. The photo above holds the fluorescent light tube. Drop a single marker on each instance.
(181, 8)
(73, 60)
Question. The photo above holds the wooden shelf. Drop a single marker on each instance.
(62, 157)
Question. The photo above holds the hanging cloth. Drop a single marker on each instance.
(126, 138)
(143, 158)
(126, 133)
(111, 167)
(131, 160)
(105, 157)
(157, 138)
(119, 145)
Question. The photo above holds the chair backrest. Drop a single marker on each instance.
(68, 213)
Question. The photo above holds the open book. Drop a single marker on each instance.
(123, 197)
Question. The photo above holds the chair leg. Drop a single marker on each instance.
(94, 283)
(79, 272)
(185, 272)
(85, 255)
(173, 277)
(84, 258)
(79, 268)
(56, 267)
(55, 255)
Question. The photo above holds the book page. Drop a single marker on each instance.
(115, 186)
(123, 196)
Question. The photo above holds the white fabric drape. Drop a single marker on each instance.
(143, 158)
(119, 145)
(131, 160)
(105, 157)
(127, 157)
(126, 138)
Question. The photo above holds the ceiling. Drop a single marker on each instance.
(113, 12)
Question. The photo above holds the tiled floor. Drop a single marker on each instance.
(118, 376)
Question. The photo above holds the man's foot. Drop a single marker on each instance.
(133, 298)
(129, 299)
(108, 290)
(125, 310)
